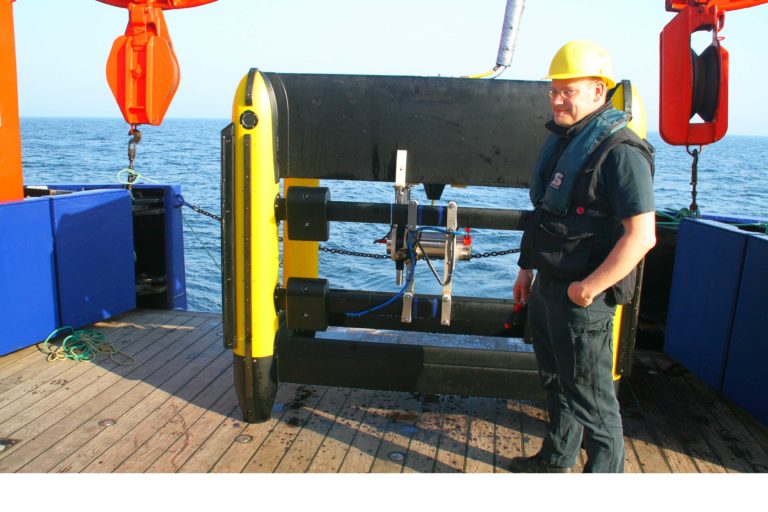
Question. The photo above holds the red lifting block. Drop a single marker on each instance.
(693, 84)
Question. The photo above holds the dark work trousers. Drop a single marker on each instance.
(575, 357)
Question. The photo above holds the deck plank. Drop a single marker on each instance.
(334, 447)
(198, 433)
(508, 434)
(177, 432)
(480, 451)
(647, 448)
(302, 451)
(680, 414)
(223, 453)
(452, 446)
(657, 417)
(162, 419)
(629, 412)
(78, 437)
(66, 378)
(281, 438)
(363, 448)
(15, 358)
(176, 412)
(66, 410)
(534, 426)
(422, 450)
(37, 376)
(400, 430)
(739, 450)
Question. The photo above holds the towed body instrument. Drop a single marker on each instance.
(401, 130)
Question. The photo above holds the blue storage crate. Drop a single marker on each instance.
(746, 379)
(28, 307)
(93, 234)
(162, 244)
(702, 301)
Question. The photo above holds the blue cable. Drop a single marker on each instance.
(440, 230)
(411, 270)
(408, 280)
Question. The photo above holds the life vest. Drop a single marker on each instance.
(572, 230)
(552, 190)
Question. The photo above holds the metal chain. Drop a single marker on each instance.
(355, 253)
(385, 257)
(132, 142)
(694, 208)
(495, 253)
(197, 209)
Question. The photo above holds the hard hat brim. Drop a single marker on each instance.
(610, 82)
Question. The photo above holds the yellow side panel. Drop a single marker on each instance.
(638, 123)
(256, 252)
(616, 334)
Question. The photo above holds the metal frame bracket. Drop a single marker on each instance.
(413, 208)
(306, 304)
(307, 213)
(450, 260)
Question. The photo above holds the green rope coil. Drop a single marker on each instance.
(130, 172)
(674, 219)
(81, 345)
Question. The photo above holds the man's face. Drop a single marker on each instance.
(573, 99)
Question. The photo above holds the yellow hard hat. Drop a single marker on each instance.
(581, 59)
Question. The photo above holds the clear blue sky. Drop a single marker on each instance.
(62, 47)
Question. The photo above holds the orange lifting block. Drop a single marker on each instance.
(693, 83)
(142, 69)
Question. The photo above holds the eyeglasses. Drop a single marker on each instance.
(567, 92)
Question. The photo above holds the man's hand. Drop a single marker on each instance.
(522, 288)
(579, 294)
(638, 238)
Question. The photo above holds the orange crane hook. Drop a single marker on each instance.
(142, 70)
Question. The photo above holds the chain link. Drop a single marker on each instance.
(197, 209)
(385, 257)
(495, 253)
(355, 253)
(132, 142)
(694, 179)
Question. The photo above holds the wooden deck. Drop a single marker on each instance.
(175, 410)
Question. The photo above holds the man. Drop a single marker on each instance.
(593, 221)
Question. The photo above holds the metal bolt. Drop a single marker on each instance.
(249, 119)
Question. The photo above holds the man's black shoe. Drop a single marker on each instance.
(535, 464)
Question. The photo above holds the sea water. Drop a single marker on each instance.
(732, 181)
